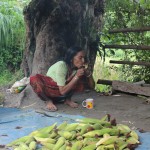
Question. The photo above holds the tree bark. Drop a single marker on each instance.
(143, 29)
(147, 64)
(52, 26)
(137, 47)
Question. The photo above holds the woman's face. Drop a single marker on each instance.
(78, 59)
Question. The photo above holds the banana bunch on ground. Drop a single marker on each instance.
(84, 134)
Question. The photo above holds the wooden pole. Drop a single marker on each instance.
(147, 64)
(143, 29)
(105, 82)
(137, 47)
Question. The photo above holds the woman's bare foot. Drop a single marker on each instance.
(71, 103)
(50, 106)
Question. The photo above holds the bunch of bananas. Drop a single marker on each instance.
(84, 134)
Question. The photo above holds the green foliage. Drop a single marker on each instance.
(127, 14)
(12, 34)
(102, 70)
(12, 37)
(7, 78)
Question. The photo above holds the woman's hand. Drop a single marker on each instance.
(80, 72)
(87, 73)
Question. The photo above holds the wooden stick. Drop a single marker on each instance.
(106, 82)
(137, 47)
(147, 64)
(143, 29)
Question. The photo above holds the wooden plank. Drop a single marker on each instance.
(130, 88)
(137, 47)
(105, 82)
(142, 29)
(141, 63)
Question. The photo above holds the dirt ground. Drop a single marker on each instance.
(128, 109)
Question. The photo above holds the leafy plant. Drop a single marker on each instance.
(127, 14)
(12, 36)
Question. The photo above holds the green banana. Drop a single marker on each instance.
(106, 118)
(101, 147)
(121, 147)
(89, 147)
(48, 145)
(80, 126)
(74, 135)
(132, 140)
(68, 148)
(123, 128)
(97, 126)
(23, 146)
(17, 148)
(53, 134)
(33, 145)
(45, 148)
(134, 134)
(48, 129)
(71, 127)
(41, 134)
(106, 135)
(126, 149)
(94, 121)
(48, 140)
(79, 138)
(109, 147)
(107, 140)
(66, 134)
(30, 140)
(34, 132)
(101, 132)
(63, 147)
(88, 120)
(77, 145)
(120, 141)
(88, 141)
(59, 143)
(85, 129)
(62, 126)
(17, 141)
(68, 143)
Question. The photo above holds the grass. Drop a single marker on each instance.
(8, 78)
(105, 71)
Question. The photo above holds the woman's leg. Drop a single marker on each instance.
(79, 88)
(69, 102)
(49, 103)
(38, 87)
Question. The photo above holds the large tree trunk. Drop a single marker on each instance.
(52, 26)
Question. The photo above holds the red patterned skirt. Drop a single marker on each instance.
(45, 85)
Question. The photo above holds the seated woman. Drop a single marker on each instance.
(63, 79)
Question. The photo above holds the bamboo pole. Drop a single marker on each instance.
(142, 29)
(105, 82)
(147, 64)
(137, 47)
